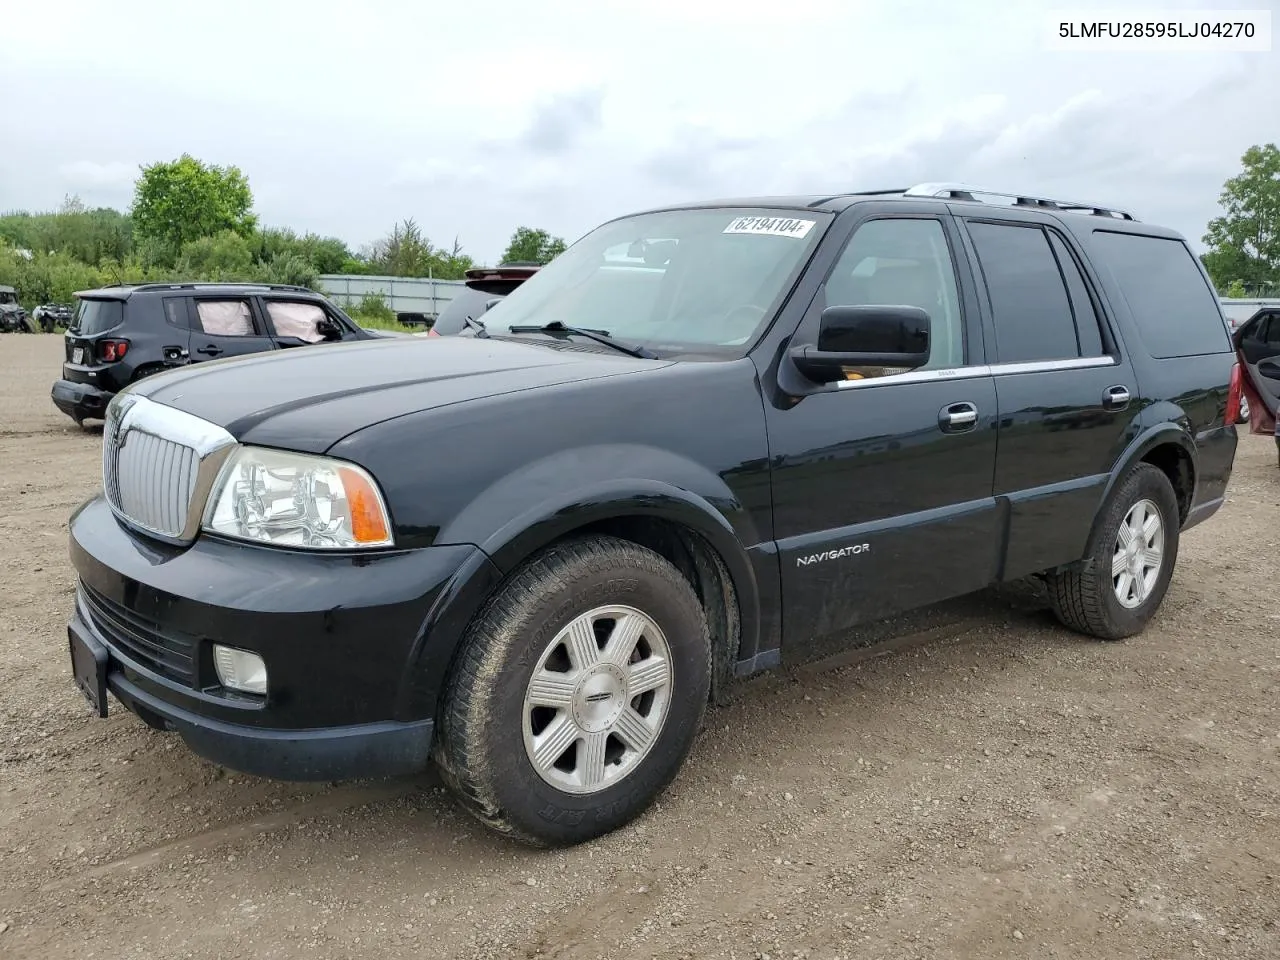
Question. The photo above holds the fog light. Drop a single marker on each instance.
(240, 669)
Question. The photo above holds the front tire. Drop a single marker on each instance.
(1119, 585)
(577, 693)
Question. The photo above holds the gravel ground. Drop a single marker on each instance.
(996, 788)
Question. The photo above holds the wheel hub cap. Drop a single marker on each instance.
(600, 697)
(597, 700)
(1138, 555)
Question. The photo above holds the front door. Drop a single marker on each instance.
(226, 327)
(882, 488)
(1259, 340)
(1067, 395)
(299, 323)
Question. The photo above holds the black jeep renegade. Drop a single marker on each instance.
(697, 443)
(120, 334)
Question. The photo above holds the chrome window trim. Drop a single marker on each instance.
(980, 370)
(129, 413)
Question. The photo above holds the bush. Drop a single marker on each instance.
(46, 277)
(373, 313)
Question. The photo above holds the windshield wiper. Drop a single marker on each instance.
(476, 325)
(599, 336)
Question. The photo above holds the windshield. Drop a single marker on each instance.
(97, 316)
(683, 281)
(7, 297)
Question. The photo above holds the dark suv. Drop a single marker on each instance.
(121, 334)
(534, 553)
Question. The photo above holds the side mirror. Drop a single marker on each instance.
(328, 328)
(865, 336)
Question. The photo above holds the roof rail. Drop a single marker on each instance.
(247, 284)
(967, 192)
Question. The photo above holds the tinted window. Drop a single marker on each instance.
(904, 262)
(1176, 313)
(1028, 301)
(175, 311)
(97, 316)
(1087, 328)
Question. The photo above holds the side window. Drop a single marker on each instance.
(175, 312)
(1269, 331)
(294, 319)
(1173, 306)
(903, 263)
(225, 318)
(1029, 303)
(1088, 329)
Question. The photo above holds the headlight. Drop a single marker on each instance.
(295, 500)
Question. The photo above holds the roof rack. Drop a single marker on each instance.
(246, 284)
(966, 192)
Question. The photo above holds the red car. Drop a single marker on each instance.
(1257, 377)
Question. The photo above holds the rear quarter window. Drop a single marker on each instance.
(1176, 313)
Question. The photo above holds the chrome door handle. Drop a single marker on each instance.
(958, 417)
(1116, 398)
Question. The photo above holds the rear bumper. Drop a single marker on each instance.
(80, 401)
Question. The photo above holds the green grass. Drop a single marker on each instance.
(382, 323)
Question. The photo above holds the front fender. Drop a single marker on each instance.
(559, 494)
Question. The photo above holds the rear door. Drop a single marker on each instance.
(295, 323)
(224, 326)
(1066, 393)
(93, 319)
(1258, 341)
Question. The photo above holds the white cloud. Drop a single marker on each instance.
(80, 174)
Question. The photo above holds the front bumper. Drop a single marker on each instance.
(341, 637)
(80, 401)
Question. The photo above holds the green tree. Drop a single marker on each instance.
(224, 256)
(406, 252)
(532, 246)
(87, 235)
(185, 200)
(1235, 289)
(1244, 243)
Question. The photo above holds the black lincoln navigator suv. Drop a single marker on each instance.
(533, 552)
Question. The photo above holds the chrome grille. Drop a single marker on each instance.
(156, 462)
(154, 481)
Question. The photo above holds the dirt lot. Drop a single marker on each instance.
(1000, 789)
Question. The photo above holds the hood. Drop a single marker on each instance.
(308, 398)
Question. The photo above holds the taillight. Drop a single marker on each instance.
(112, 350)
(1234, 390)
(432, 332)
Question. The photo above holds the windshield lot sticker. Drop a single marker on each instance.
(771, 226)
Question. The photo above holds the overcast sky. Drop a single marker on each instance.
(474, 119)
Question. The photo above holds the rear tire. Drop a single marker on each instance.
(561, 720)
(1117, 588)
